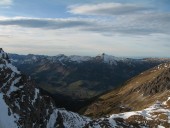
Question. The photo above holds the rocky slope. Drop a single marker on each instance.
(74, 81)
(155, 116)
(136, 94)
(22, 104)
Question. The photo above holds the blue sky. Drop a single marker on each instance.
(86, 27)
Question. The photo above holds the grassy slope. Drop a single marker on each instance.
(136, 94)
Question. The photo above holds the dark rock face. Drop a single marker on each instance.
(22, 97)
(3, 55)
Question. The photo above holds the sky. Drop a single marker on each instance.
(86, 27)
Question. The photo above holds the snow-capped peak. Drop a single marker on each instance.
(79, 58)
(109, 59)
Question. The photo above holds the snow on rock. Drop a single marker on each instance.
(146, 113)
(6, 121)
(165, 102)
(70, 119)
(79, 59)
(163, 66)
(37, 91)
(109, 59)
(4, 58)
(112, 123)
(145, 118)
(13, 68)
(159, 126)
(13, 88)
(123, 115)
(112, 59)
(34, 58)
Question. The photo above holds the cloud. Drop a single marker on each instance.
(52, 42)
(24, 40)
(5, 2)
(46, 23)
(143, 24)
(119, 29)
(107, 9)
(136, 24)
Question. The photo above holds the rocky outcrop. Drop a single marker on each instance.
(158, 84)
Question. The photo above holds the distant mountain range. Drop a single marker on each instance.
(75, 81)
(146, 97)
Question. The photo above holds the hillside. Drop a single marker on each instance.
(137, 93)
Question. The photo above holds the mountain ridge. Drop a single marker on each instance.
(80, 80)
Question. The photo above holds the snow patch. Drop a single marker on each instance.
(5, 120)
(79, 59)
(13, 68)
(159, 126)
(35, 95)
(12, 87)
(70, 119)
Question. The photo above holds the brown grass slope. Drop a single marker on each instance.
(136, 94)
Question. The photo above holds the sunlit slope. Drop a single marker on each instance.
(136, 94)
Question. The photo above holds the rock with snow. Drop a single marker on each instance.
(152, 117)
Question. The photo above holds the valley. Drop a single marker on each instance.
(76, 81)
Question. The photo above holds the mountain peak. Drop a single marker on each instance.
(109, 59)
(3, 55)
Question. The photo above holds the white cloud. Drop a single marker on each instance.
(114, 28)
(5, 2)
(22, 40)
(47, 23)
(143, 24)
(107, 9)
